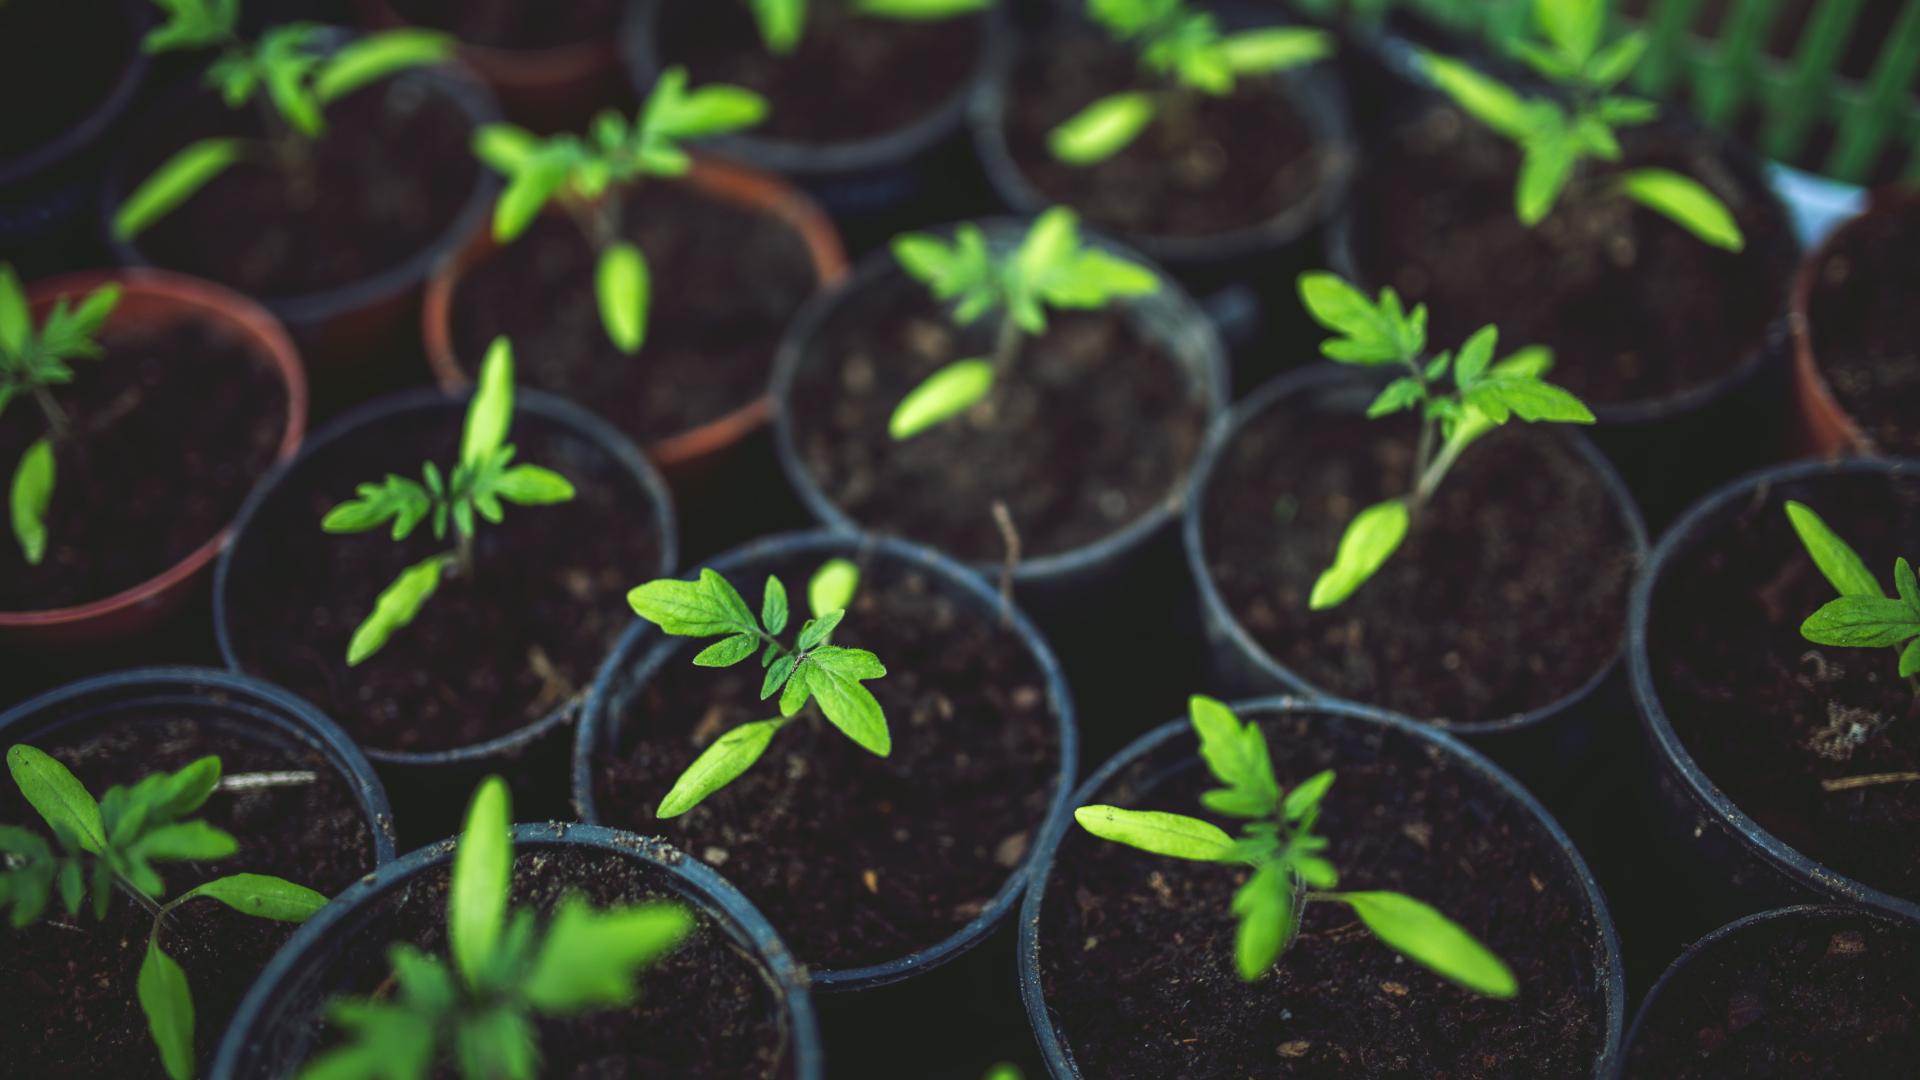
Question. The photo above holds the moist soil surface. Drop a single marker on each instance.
(67, 984)
(726, 281)
(1508, 594)
(1136, 951)
(851, 76)
(1767, 714)
(1433, 216)
(1209, 165)
(857, 859)
(1828, 996)
(490, 652)
(168, 430)
(61, 57)
(383, 184)
(1095, 425)
(515, 24)
(1866, 329)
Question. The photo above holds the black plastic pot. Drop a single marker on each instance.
(644, 651)
(1730, 864)
(1173, 750)
(278, 1024)
(1540, 743)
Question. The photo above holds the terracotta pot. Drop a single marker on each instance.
(149, 298)
(699, 449)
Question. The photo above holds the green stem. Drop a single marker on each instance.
(1006, 346)
(139, 897)
(56, 416)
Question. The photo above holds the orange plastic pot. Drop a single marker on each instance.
(157, 298)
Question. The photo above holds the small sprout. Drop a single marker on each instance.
(479, 1017)
(1051, 268)
(1485, 395)
(1288, 860)
(1555, 137)
(475, 488)
(813, 668)
(112, 844)
(1864, 616)
(575, 172)
(1184, 48)
(783, 22)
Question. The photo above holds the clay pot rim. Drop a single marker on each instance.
(501, 64)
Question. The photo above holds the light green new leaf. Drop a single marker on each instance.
(376, 56)
(261, 895)
(1910, 659)
(174, 183)
(1253, 52)
(531, 485)
(1371, 538)
(1842, 565)
(1427, 937)
(1612, 64)
(1236, 754)
(773, 605)
(532, 184)
(1397, 396)
(623, 286)
(1623, 111)
(1862, 622)
(672, 112)
(31, 494)
(1687, 203)
(833, 678)
(1306, 795)
(719, 765)
(396, 606)
(727, 651)
(168, 1003)
(1092, 277)
(1905, 584)
(703, 608)
(1158, 832)
(482, 872)
(780, 23)
(506, 148)
(16, 321)
(793, 696)
(1475, 355)
(1545, 167)
(944, 394)
(1102, 129)
(832, 586)
(589, 958)
(1487, 100)
(1499, 396)
(1572, 25)
(1372, 335)
(1265, 908)
(920, 10)
(490, 411)
(59, 797)
(185, 840)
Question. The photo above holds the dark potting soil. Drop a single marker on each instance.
(387, 179)
(1136, 951)
(1866, 329)
(489, 653)
(1217, 165)
(1768, 715)
(170, 428)
(851, 76)
(1822, 997)
(726, 281)
(1509, 594)
(63, 58)
(68, 1005)
(1096, 424)
(515, 24)
(1433, 217)
(857, 859)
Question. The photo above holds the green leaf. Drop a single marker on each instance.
(944, 394)
(1253, 52)
(779, 671)
(727, 651)
(1486, 100)
(1910, 659)
(1611, 65)
(1546, 165)
(1397, 396)
(1526, 362)
(185, 840)
(833, 677)
(1862, 622)
(529, 189)
(920, 10)
(589, 958)
(1236, 754)
(1372, 335)
(1623, 111)
(168, 1003)
(703, 608)
(1052, 239)
(506, 148)
(396, 606)
(818, 629)
(1092, 277)
(832, 586)
(1498, 396)
(531, 485)
(174, 183)
(491, 409)
(1572, 25)
(59, 797)
(1905, 584)
(773, 605)
(262, 896)
(1370, 540)
(404, 502)
(621, 283)
(482, 872)
(1265, 908)
(1687, 203)
(793, 696)
(1102, 129)
(1837, 560)
(495, 1042)
(31, 494)
(672, 113)
(780, 23)
(16, 321)
(1427, 937)
(1306, 796)
(376, 56)
(719, 765)
(1161, 833)
(1475, 355)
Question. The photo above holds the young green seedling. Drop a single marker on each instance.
(1864, 616)
(1556, 137)
(813, 668)
(783, 22)
(575, 173)
(1184, 49)
(472, 489)
(1289, 862)
(100, 847)
(1485, 395)
(32, 362)
(479, 1016)
(1051, 268)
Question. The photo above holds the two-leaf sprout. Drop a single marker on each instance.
(812, 669)
(576, 173)
(111, 845)
(1052, 267)
(1556, 136)
(479, 1016)
(1864, 616)
(1289, 864)
(1485, 394)
(783, 23)
(473, 489)
(290, 75)
(32, 362)
(1185, 49)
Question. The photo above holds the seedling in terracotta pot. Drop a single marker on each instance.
(1557, 135)
(813, 668)
(111, 845)
(576, 172)
(479, 1016)
(1484, 395)
(32, 362)
(1051, 268)
(1186, 50)
(472, 489)
(288, 74)
(782, 23)
(1864, 616)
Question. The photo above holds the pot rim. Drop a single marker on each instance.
(543, 64)
(104, 114)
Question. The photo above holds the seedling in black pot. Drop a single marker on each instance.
(783, 23)
(1864, 616)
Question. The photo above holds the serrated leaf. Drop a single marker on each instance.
(817, 630)
(1838, 562)
(1102, 129)
(1235, 753)
(834, 678)
(1529, 399)
(29, 497)
(1422, 934)
(727, 651)
(704, 608)
(719, 765)
(1371, 335)
(1861, 622)
(1155, 831)
(168, 1003)
(590, 958)
(777, 675)
(793, 696)
(1370, 540)
(482, 871)
(1685, 202)
(1397, 396)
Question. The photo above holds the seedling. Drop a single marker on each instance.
(112, 844)
(1289, 862)
(1184, 49)
(472, 489)
(1484, 395)
(813, 668)
(1556, 137)
(479, 1016)
(783, 22)
(1051, 268)
(32, 362)
(289, 75)
(1864, 616)
(575, 173)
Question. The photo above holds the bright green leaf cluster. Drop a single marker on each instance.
(782, 23)
(1864, 616)
(478, 1016)
(1288, 860)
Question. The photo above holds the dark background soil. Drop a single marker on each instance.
(515, 24)
(62, 58)
(1866, 329)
